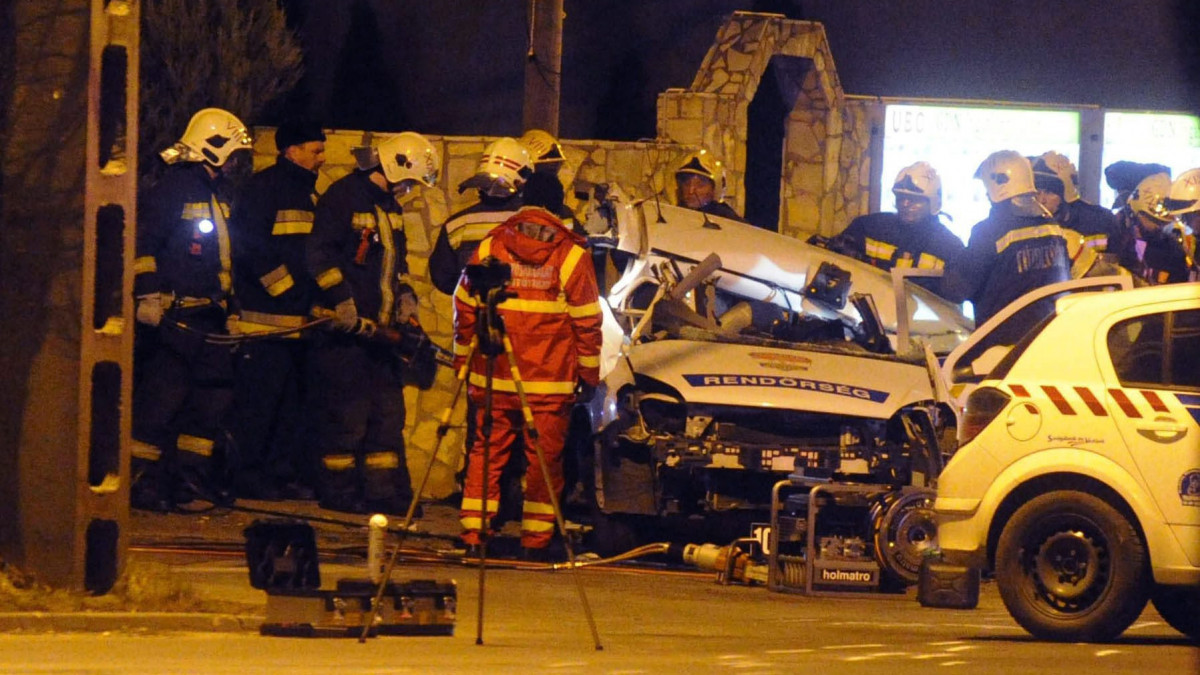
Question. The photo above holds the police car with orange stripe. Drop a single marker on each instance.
(1077, 477)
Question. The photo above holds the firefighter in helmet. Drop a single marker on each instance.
(1016, 249)
(551, 315)
(357, 255)
(1057, 183)
(700, 185)
(183, 279)
(913, 236)
(1153, 250)
(271, 222)
(501, 173)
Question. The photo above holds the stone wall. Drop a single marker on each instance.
(640, 169)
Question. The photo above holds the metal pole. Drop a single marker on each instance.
(543, 66)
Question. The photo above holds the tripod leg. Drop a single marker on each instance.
(443, 427)
(558, 515)
(486, 432)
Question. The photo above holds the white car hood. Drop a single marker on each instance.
(720, 373)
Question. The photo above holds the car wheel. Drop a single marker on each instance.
(1070, 567)
(1180, 607)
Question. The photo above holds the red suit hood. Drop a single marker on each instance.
(527, 249)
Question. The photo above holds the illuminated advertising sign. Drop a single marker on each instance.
(956, 139)
(1161, 138)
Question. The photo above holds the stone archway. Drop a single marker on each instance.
(824, 147)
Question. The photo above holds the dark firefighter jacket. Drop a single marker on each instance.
(885, 241)
(460, 236)
(1096, 224)
(272, 220)
(183, 242)
(357, 248)
(1008, 255)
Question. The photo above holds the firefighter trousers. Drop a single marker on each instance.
(267, 420)
(358, 412)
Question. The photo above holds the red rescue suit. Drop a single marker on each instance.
(553, 322)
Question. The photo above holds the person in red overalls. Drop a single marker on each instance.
(552, 317)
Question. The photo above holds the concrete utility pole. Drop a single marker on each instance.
(543, 66)
(69, 177)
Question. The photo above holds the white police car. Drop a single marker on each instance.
(1077, 476)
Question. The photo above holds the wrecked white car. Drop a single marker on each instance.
(770, 358)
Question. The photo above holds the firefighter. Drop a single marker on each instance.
(502, 171)
(271, 222)
(547, 155)
(1184, 204)
(356, 254)
(1057, 183)
(913, 236)
(1152, 250)
(700, 185)
(552, 317)
(1016, 249)
(183, 278)
(544, 149)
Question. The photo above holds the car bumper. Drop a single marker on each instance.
(962, 540)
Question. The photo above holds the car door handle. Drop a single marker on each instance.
(1163, 430)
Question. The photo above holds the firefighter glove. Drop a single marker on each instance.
(149, 309)
(345, 316)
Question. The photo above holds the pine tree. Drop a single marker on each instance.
(233, 54)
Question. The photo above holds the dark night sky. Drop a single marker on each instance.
(457, 67)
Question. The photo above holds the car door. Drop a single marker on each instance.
(972, 361)
(1154, 383)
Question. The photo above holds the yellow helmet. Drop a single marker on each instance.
(1150, 196)
(703, 163)
(543, 148)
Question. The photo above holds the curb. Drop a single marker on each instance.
(100, 622)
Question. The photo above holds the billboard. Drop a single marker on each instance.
(955, 139)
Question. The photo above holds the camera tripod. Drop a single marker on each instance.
(495, 342)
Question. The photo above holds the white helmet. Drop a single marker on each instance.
(1150, 195)
(409, 156)
(1006, 174)
(1185, 193)
(1053, 164)
(920, 180)
(211, 136)
(702, 163)
(543, 148)
(503, 169)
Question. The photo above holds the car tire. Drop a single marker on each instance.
(1179, 607)
(1070, 567)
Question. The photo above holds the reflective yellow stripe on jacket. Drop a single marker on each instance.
(1027, 233)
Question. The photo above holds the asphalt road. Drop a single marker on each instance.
(647, 623)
